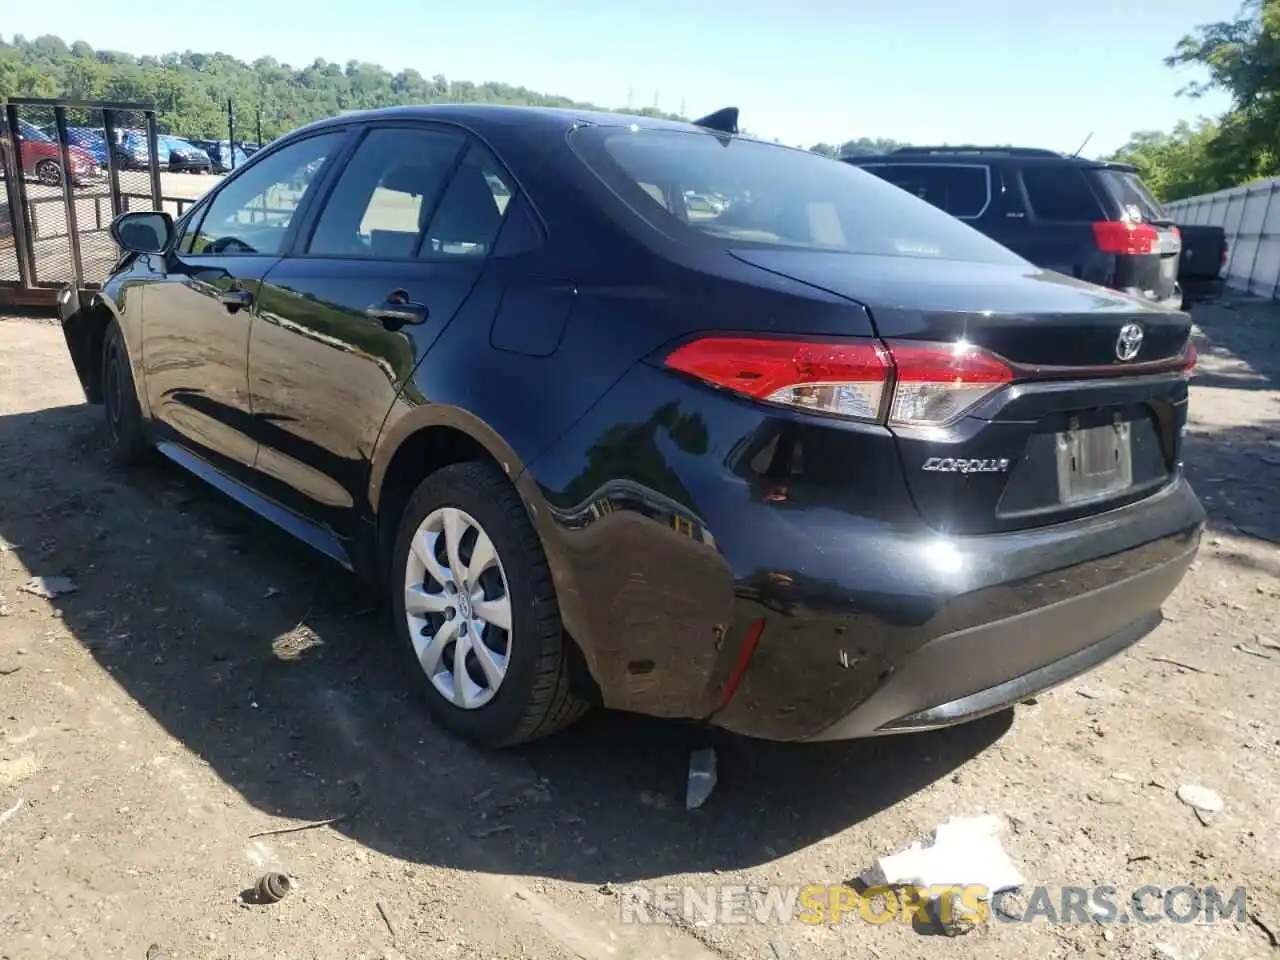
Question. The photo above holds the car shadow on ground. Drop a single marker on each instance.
(1243, 338)
(1234, 471)
(273, 666)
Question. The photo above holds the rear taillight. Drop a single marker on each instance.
(909, 383)
(1189, 357)
(847, 379)
(1125, 237)
(937, 382)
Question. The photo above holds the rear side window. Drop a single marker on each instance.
(1136, 201)
(962, 191)
(467, 220)
(1060, 194)
(379, 205)
(733, 192)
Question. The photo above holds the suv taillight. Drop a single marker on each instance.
(902, 383)
(1125, 237)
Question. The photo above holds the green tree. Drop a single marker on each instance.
(191, 90)
(1240, 57)
(1180, 164)
(861, 147)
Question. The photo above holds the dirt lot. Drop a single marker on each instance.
(209, 680)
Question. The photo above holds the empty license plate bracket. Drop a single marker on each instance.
(1094, 461)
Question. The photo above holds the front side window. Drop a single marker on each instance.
(252, 213)
(379, 206)
(730, 191)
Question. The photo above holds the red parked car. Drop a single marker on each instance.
(40, 158)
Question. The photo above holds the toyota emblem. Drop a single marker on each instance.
(1129, 342)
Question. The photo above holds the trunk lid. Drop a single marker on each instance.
(1024, 314)
(1077, 432)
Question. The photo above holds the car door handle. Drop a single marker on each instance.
(235, 299)
(393, 314)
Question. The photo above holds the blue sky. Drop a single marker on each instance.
(924, 71)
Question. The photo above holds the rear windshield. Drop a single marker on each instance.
(734, 192)
(1136, 201)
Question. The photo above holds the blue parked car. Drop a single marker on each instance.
(131, 150)
(92, 141)
(182, 156)
(225, 157)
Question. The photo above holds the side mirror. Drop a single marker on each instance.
(149, 232)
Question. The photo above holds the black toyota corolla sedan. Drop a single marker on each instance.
(814, 460)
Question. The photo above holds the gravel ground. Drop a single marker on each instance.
(210, 680)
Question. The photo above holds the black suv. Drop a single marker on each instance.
(1089, 219)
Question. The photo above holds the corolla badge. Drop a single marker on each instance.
(1129, 342)
(965, 465)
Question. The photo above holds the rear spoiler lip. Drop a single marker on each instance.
(1032, 373)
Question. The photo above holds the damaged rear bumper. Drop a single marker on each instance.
(975, 672)
(1031, 610)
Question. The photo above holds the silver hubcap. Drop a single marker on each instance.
(458, 607)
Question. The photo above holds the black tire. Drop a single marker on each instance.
(535, 697)
(126, 442)
(49, 173)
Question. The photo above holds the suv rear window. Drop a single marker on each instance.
(1135, 200)
(735, 192)
(1060, 193)
(962, 191)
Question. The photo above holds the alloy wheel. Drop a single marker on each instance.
(458, 607)
(48, 173)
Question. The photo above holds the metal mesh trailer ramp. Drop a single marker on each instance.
(69, 168)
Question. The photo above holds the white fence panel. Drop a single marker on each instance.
(1251, 217)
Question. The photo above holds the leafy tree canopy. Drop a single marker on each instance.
(862, 147)
(1240, 57)
(190, 90)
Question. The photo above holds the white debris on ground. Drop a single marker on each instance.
(1200, 798)
(964, 852)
